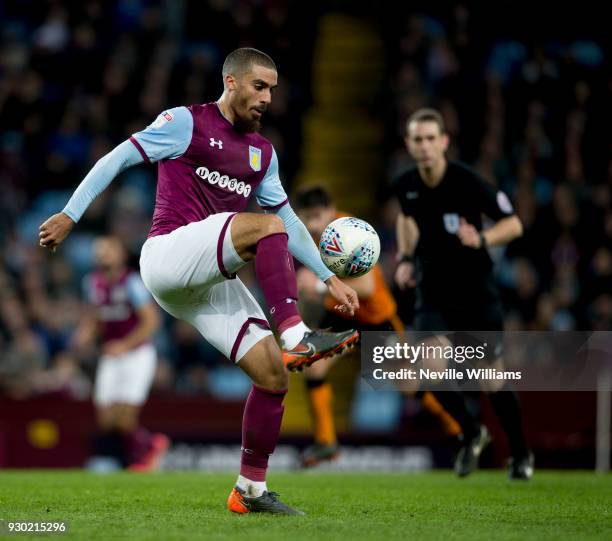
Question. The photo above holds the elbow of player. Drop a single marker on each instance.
(152, 321)
(518, 227)
(155, 323)
(364, 287)
(367, 292)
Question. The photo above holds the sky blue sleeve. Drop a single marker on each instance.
(168, 137)
(270, 193)
(137, 292)
(301, 244)
(100, 176)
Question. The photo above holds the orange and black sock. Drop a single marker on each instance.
(431, 404)
(320, 394)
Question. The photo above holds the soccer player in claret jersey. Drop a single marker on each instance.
(123, 318)
(211, 161)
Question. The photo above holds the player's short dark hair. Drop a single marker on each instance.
(312, 197)
(426, 114)
(241, 60)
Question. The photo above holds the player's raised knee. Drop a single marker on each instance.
(271, 224)
(275, 378)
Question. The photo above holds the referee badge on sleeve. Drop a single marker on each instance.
(504, 203)
(451, 222)
(255, 158)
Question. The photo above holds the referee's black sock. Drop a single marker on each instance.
(109, 443)
(508, 410)
(454, 403)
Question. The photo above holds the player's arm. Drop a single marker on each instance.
(303, 248)
(407, 232)
(497, 206)
(168, 137)
(148, 319)
(504, 231)
(148, 323)
(56, 228)
(313, 288)
(87, 329)
(271, 197)
(86, 332)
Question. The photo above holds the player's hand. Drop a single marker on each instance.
(114, 348)
(404, 275)
(55, 230)
(344, 294)
(469, 235)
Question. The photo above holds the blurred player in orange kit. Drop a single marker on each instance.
(377, 312)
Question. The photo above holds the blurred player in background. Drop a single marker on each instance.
(123, 318)
(212, 160)
(443, 253)
(377, 312)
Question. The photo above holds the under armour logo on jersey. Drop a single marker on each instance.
(215, 143)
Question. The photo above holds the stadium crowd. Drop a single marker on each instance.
(75, 81)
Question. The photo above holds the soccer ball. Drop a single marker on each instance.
(349, 247)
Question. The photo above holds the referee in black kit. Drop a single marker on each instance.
(442, 251)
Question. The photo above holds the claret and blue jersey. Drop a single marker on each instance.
(205, 166)
(116, 302)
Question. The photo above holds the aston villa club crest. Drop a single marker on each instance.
(255, 158)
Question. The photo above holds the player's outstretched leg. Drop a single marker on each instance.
(261, 424)
(263, 237)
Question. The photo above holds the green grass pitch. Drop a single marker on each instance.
(169, 506)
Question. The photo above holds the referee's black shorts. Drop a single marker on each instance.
(462, 323)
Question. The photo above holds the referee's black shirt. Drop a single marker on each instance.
(447, 271)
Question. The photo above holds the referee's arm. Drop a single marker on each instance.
(407, 237)
(496, 205)
(504, 231)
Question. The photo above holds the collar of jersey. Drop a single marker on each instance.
(222, 115)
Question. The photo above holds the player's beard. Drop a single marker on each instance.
(247, 125)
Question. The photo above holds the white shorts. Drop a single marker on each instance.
(125, 378)
(190, 273)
